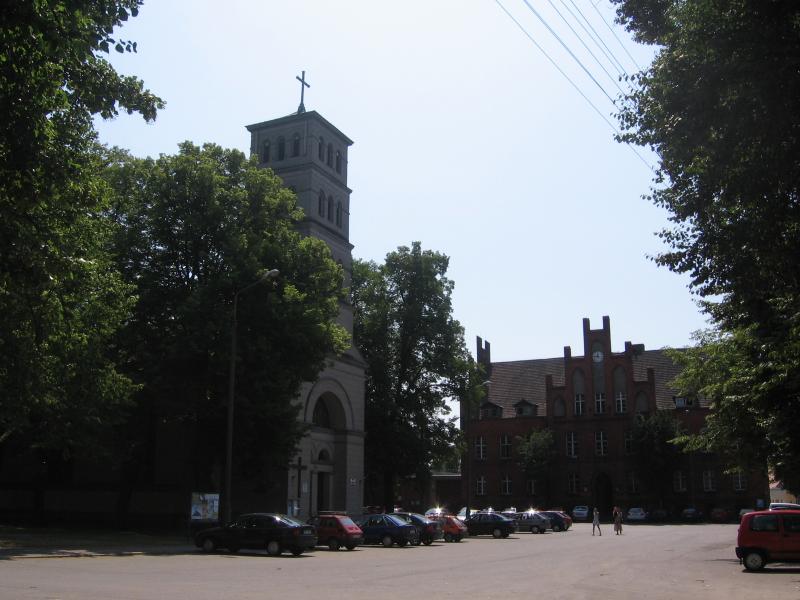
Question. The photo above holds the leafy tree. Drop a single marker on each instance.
(535, 454)
(720, 106)
(193, 229)
(416, 361)
(61, 299)
(655, 451)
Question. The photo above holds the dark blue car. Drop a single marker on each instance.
(387, 530)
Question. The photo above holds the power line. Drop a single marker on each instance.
(596, 38)
(603, 19)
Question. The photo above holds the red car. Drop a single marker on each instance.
(335, 530)
(454, 530)
(767, 536)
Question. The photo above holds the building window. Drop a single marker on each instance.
(322, 203)
(559, 409)
(330, 155)
(505, 446)
(708, 481)
(281, 148)
(524, 409)
(679, 481)
(489, 410)
(641, 403)
(739, 481)
(321, 417)
(505, 485)
(573, 484)
(628, 441)
(530, 487)
(579, 404)
(265, 152)
(330, 208)
(480, 486)
(599, 403)
(296, 145)
(322, 149)
(480, 448)
(620, 404)
(600, 443)
(338, 162)
(633, 483)
(338, 214)
(572, 444)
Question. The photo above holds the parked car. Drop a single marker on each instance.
(721, 514)
(387, 530)
(427, 530)
(273, 532)
(658, 515)
(767, 536)
(635, 515)
(744, 511)
(486, 523)
(783, 506)
(532, 521)
(453, 529)
(580, 513)
(559, 521)
(335, 530)
(462, 514)
(435, 511)
(691, 514)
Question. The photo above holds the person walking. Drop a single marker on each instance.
(617, 520)
(596, 521)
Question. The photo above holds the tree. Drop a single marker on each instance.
(61, 299)
(535, 454)
(720, 106)
(416, 361)
(654, 450)
(192, 230)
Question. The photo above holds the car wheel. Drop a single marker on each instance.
(273, 548)
(427, 541)
(387, 541)
(754, 561)
(350, 547)
(556, 528)
(497, 533)
(458, 538)
(448, 537)
(209, 545)
(403, 543)
(506, 534)
(333, 544)
(233, 549)
(297, 551)
(535, 529)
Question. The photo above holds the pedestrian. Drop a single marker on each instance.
(596, 521)
(617, 520)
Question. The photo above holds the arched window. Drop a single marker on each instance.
(559, 409)
(265, 152)
(296, 145)
(281, 148)
(338, 162)
(322, 417)
(338, 214)
(322, 148)
(330, 154)
(578, 388)
(323, 456)
(330, 208)
(322, 203)
(620, 397)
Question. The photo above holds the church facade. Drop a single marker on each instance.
(310, 156)
(591, 402)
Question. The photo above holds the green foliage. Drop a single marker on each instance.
(61, 299)
(416, 360)
(655, 450)
(193, 229)
(720, 106)
(536, 452)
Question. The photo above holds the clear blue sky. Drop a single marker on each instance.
(467, 138)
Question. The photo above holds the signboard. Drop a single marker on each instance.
(205, 507)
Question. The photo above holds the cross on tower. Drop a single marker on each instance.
(303, 86)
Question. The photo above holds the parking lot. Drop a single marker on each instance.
(647, 561)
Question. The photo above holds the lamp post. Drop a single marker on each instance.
(227, 496)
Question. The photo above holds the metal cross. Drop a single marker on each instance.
(303, 86)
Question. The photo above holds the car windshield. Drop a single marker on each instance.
(286, 520)
(395, 520)
(346, 521)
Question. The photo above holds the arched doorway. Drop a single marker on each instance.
(603, 494)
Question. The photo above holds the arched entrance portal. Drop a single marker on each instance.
(603, 494)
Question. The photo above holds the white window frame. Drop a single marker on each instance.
(621, 402)
(580, 404)
(505, 446)
(739, 481)
(572, 444)
(678, 481)
(599, 403)
(480, 486)
(506, 485)
(480, 448)
(709, 485)
(600, 443)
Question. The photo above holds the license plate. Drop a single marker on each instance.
(306, 532)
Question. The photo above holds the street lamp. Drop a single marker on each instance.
(227, 497)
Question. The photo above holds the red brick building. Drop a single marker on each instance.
(590, 402)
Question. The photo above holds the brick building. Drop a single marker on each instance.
(590, 402)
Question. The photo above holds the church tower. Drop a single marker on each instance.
(310, 156)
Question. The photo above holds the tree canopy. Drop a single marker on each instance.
(720, 104)
(416, 361)
(193, 229)
(61, 298)
(535, 453)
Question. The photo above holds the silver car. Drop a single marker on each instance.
(532, 521)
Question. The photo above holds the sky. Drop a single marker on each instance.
(468, 138)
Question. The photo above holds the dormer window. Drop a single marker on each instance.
(491, 411)
(681, 402)
(526, 409)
